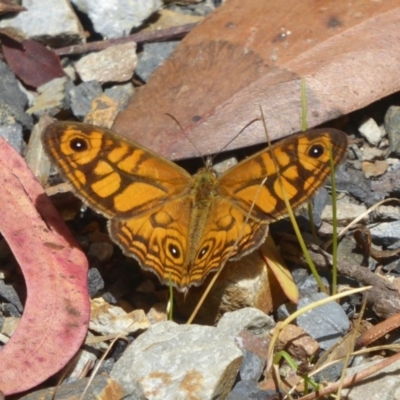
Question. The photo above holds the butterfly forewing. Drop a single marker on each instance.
(303, 163)
(114, 176)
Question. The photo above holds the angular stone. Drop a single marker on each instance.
(12, 100)
(371, 131)
(115, 64)
(100, 388)
(171, 361)
(116, 18)
(52, 22)
(383, 385)
(153, 56)
(107, 319)
(82, 96)
(13, 135)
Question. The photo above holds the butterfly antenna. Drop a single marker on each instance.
(187, 136)
(235, 137)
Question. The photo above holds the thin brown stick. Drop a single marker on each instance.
(176, 32)
(356, 378)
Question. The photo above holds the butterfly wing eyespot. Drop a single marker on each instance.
(79, 145)
(316, 151)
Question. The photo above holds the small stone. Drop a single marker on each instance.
(382, 385)
(116, 18)
(95, 282)
(152, 57)
(101, 251)
(297, 343)
(8, 293)
(171, 361)
(113, 320)
(13, 101)
(371, 131)
(386, 233)
(357, 185)
(249, 390)
(346, 212)
(389, 183)
(52, 22)
(158, 313)
(252, 366)
(250, 319)
(121, 93)
(374, 169)
(103, 111)
(309, 285)
(13, 135)
(327, 324)
(82, 96)
(52, 98)
(99, 387)
(372, 153)
(81, 361)
(392, 125)
(115, 64)
(384, 212)
(9, 326)
(11, 310)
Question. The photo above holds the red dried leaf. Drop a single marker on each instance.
(56, 315)
(255, 53)
(32, 62)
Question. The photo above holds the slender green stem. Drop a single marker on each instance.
(334, 224)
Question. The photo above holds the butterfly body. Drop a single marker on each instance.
(179, 226)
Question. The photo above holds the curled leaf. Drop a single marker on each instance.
(56, 315)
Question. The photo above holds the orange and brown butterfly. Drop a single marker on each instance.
(179, 226)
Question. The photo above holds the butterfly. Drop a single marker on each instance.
(182, 226)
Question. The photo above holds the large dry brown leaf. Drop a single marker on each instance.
(56, 314)
(251, 54)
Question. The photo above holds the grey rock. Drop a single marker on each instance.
(383, 385)
(327, 323)
(310, 286)
(251, 319)
(11, 310)
(171, 362)
(52, 97)
(12, 100)
(152, 57)
(121, 93)
(354, 182)
(392, 125)
(52, 22)
(122, 15)
(8, 293)
(329, 374)
(95, 282)
(13, 135)
(81, 97)
(114, 64)
(248, 390)
(386, 233)
(320, 200)
(252, 366)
